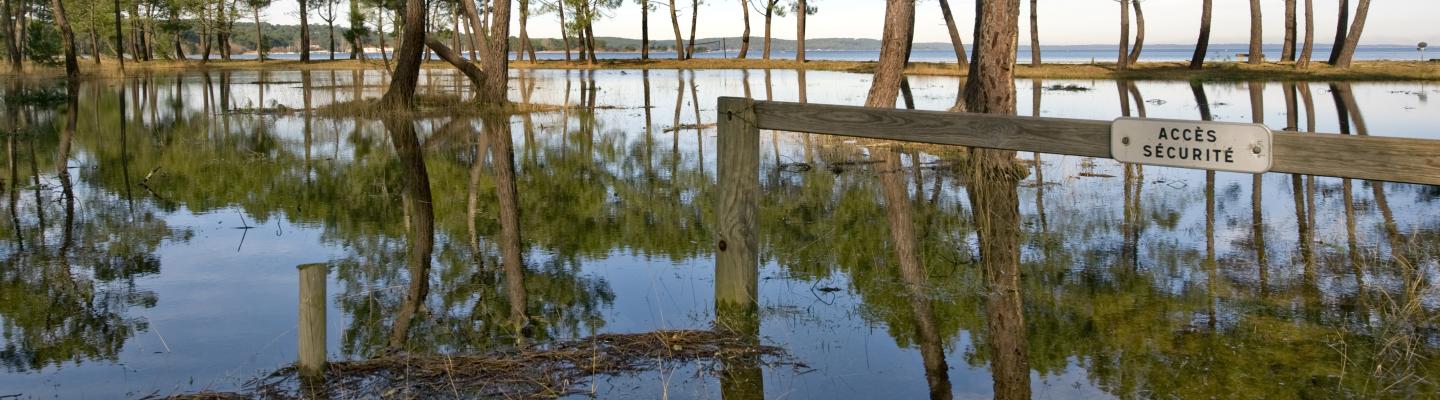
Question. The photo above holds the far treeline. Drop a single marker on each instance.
(51, 32)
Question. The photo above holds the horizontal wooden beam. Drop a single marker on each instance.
(1362, 157)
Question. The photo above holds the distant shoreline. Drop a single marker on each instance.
(1213, 71)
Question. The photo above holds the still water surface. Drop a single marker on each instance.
(154, 249)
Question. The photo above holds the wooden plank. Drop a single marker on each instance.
(1390, 159)
(1046, 135)
(738, 185)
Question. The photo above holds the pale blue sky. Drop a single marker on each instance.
(1061, 21)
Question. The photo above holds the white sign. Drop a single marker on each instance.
(1220, 146)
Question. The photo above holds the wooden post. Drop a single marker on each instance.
(311, 358)
(736, 228)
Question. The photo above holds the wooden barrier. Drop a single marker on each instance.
(1389, 159)
(741, 119)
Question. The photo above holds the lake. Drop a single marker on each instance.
(154, 249)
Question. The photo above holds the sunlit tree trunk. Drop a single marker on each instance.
(496, 65)
(962, 61)
(1035, 32)
(995, 201)
(1139, 33)
(1287, 50)
(1123, 62)
(1202, 45)
(745, 35)
(401, 93)
(679, 40)
(1257, 49)
(1352, 39)
(801, 10)
(890, 70)
(1308, 49)
(769, 17)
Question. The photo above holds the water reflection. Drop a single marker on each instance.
(465, 235)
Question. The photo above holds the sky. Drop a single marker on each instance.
(1062, 22)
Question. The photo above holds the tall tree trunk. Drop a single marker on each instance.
(590, 42)
(524, 33)
(960, 58)
(745, 36)
(769, 17)
(1035, 32)
(1352, 39)
(644, 29)
(176, 40)
(72, 66)
(331, 24)
(12, 49)
(1308, 49)
(995, 199)
(1342, 27)
(119, 35)
(679, 40)
(94, 34)
(401, 94)
(890, 71)
(259, 38)
(1123, 62)
(565, 35)
(304, 31)
(1202, 45)
(496, 65)
(1139, 33)
(800, 12)
(1287, 50)
(1257, 49)
(694, 21)
(478, 28)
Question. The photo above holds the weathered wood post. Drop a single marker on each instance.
(311, 358)
(736, 231)
(736, 240)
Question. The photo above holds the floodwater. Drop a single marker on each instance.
(153, 249)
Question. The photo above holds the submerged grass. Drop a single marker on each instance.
(556, 370)
(1213, 71)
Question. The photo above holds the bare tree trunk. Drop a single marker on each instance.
(800, 11)
(119, 34)
(962, 61)
(590, 42)
(477, 38)
(304, 31)
(644, 29)
(331, 25)
(679, 40)
(72, 66)
(694, 21)
(1287, 50)
(1124, 59)
(401, 94)
(380, 31)
(890, 71)
(1139, 33)
(995, 200)
(495, 64)
(477, 77)
(769, 16)
(524, 33)
(565, 36)
(1352, 39)
(745, 36)
(259, 38)
(1257, 49)
(1341, 28)
(1035, 32)
(1309, 48)
(12, 48)
(1202, 46)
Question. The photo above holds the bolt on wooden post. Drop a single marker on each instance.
(311, 357)
(736, 233)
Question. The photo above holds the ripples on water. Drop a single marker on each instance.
(159, 255)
